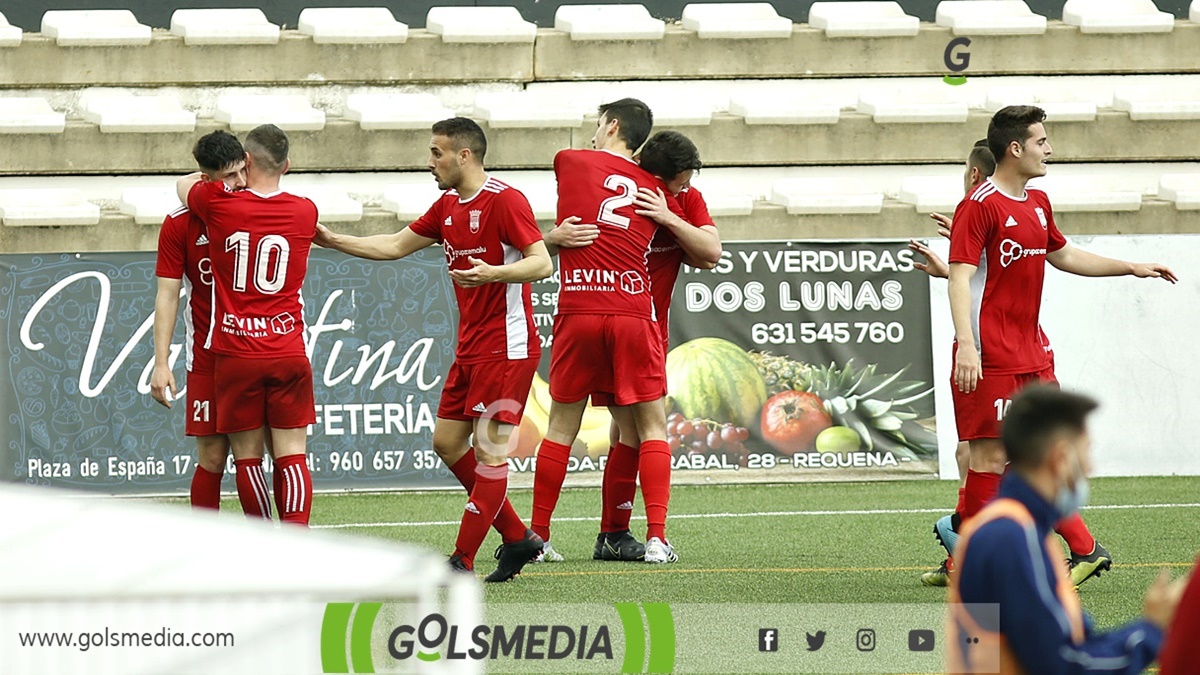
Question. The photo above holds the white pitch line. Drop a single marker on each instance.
(757, 514)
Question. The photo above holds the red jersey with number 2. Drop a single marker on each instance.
(610, 276)
(259, 249)
(1008, 240)
(495, 320)
(183, 255)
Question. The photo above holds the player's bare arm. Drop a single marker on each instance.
(184, 185)
(375, 247)
(701, 244)
(1085, 264)
(968, 369)
(534, 266)
(166, 306)
(572, 232)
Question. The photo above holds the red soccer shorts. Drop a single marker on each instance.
(619, 354)
(979, 413)
(603, 399)
(497, 387)
(201, 408)
(276, 393)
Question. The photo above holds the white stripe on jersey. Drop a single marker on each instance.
(179, 211)
(978, 285)
(516, 323)
(646, 268)
(988, 188)
(189, 327)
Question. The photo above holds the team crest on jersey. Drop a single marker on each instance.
(475, 221)
(1041, 215)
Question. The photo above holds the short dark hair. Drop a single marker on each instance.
(268, 145)
(1037, 416)
(668, 154)
(981, 158)
(1011, 124)
(634, 120)
(465, 133)
(217, 150)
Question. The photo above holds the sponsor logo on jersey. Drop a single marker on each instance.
(475, 221)
(1011, 251)
(479, 408)
(448, 221)
(632, 283)
(1011, 222)
(453, 254)
(203, 240)
(1041, 216)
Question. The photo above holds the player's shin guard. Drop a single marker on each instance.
(491, 486)
(1076, 534)
(206, 489)
(252, 488)
(508, 523)
(547, 484)
(297, 489)
(619, 488)
(654, 465)
(981, 488)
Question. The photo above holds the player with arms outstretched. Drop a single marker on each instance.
(493, 250)
(259, 243)
(605, 334)
(1003, 235)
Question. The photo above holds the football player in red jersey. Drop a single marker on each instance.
(605, 333)
(493, 250)
(183, 265)
(674, 159)
(1003, 235)
(260, 238)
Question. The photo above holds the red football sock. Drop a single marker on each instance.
(654, 465)
(1079, 539)
(547, 484)
(962, 500)
(277, 488)
(981, 488)
(619, 488)
(508, 523)
(206, 489)
(297, 489)
(491, 484)
(252, 488)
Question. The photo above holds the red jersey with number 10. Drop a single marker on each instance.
(259, 249)
(495, 320)
(610, 276)
(1008, 240)
(183, 254)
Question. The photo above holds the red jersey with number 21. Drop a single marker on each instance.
(183, 255)
(611, 275)
(259, 249)
(496, 225)
(1008, 240)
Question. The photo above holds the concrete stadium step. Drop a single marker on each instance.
(796, 202)
(734, 123)
(253, 51)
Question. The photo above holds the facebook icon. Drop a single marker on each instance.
(768, 639)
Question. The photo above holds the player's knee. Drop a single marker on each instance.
(492, 457)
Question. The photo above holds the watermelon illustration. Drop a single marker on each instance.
(714, 379)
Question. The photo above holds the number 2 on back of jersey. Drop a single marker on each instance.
(239, 242)
(627, 190)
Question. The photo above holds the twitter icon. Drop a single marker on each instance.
(815, 641)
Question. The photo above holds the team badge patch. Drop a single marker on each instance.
(475, 221)
(1041, 215)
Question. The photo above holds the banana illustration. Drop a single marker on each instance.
(593, 429)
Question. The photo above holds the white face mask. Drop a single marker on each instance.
(1070, 498)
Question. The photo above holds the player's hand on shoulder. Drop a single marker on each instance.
(479, 274)
(945, 223)
(162, 386)
(652, 204)
(934, 266)
(1154, 271)
(572, 232)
